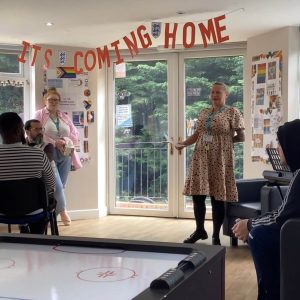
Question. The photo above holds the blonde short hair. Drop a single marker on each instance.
(223, 85)
(50, 91)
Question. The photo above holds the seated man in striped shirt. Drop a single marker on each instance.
(19, 161)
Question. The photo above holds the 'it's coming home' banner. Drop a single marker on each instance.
(213, 32)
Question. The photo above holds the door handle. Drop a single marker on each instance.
(179, 141)
(170, 142)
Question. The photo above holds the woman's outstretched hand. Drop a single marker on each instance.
(179, 146)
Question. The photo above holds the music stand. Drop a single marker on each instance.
(277, 165)
(275, 160)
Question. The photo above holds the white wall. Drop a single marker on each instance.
(287, 40)
(85, 191)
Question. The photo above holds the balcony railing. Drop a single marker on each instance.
(142, 175)
(141, 172)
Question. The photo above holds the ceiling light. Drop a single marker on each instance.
(49, 24)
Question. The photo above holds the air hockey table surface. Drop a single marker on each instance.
(37, 267)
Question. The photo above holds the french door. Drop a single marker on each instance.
(154, 101)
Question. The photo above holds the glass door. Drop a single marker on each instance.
(155, 102)
(143, 132)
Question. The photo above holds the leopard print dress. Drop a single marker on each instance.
(211, 170)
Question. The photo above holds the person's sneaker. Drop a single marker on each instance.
(195, 236)
(216, 241)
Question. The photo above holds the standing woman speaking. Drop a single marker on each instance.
(211, 171)
(61, 132)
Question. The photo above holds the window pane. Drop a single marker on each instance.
(11, 99)
(9, 63)
(141, 125)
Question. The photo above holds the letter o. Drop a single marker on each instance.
(192, 28)
(92, 54)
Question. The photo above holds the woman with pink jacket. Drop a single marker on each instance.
(61, 132)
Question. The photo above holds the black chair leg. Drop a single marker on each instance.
(53, 224)
(46, 229)
(233, 241)
(9, 228)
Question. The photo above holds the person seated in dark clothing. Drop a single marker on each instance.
(263, 233)
(19, 161)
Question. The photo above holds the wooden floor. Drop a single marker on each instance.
(240, 279)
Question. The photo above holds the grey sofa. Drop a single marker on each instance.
(248, 205)
(255, 197)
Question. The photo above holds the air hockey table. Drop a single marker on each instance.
(38, 267)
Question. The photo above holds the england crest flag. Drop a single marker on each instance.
(156, 29)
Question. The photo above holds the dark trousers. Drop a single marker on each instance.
(265, 248)
(218, 211)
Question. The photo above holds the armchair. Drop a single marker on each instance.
(271, 197)
(256, 197)
(248, 205)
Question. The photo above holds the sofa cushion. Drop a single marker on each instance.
(244, 210)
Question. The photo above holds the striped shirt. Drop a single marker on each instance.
(290, 207)
(18, 161)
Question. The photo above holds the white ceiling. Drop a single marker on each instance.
(95, 23)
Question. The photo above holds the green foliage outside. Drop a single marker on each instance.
(11, 97)
(9, 63)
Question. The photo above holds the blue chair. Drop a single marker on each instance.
(25, 202)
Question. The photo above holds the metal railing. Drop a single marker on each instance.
(142, 172)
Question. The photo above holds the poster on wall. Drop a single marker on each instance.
(266, 102)
(123, 116)
(75, 101)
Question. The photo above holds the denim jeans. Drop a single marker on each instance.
(59, 193)
(63, 166)
(264, 242)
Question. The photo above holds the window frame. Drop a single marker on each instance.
(22, 76)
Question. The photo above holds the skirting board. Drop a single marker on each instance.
(86, 214)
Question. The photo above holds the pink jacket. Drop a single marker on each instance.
(43, 115)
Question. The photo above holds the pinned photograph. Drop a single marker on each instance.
(78, 118)
(85, 146)
(258, 140)
(271, 70)
(260, 96)
(87, 104)
(86, 132)
(90, 117)
(261, 73)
